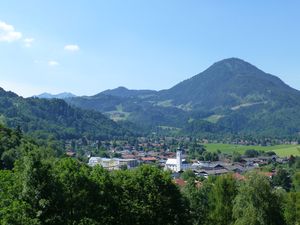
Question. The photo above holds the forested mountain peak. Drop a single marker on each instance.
(125, 92)
(4, 93)
(227, 83)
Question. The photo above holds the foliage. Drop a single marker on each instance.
(43, 118)
(292, 208)
(221, 198)
(199, 201)
(187, 175)
(251, 153)
(283, 179)
(256, 204)
(68, 192)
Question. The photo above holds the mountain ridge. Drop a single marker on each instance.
(62, 95)
(125, 92)
(232, 97)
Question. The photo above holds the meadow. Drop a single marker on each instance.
(280, 150)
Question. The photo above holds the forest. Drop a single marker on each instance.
(39, 185)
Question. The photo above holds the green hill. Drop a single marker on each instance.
(42, 117)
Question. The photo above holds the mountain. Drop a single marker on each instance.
(230, 98)
(145, 114)
(230, 83)
(63, 95)
(124, 92)
(54, 117)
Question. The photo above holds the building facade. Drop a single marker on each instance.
(113, 163)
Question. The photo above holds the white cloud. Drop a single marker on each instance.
(28, 42)
(72, 48)
(8, 33)
(53, 63)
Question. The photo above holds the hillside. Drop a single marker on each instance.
(232, 97)
(231, 83)
(63, 95)
(43, 117)
(124, 92)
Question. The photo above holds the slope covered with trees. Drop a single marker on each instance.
(43, 117)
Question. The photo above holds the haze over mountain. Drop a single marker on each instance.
(232, 96)
(62, 95)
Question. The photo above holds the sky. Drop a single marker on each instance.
(85, 47)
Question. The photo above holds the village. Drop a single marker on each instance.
(172, 154)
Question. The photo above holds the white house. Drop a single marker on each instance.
(113, 163)
(178, 164)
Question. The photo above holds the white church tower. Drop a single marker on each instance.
(178, 160)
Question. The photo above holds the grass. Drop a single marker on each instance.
(280, 150)
(167, 103)
(214, 118)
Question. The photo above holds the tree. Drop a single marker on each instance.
(77, 191)
(104, 202)
(251, 153)
(256, 204)
(147, 195)
(283, 179)
(38, 188)
(198, 200)
(13, 210)
(236, 157)
(188, 174)
(221, 200)
(292, 208)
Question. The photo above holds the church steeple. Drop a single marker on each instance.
(178, 159)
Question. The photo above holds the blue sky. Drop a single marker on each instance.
(86, 47)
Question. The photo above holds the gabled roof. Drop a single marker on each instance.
(171, 161)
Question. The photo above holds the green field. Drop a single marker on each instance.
(214, 118)
(280, 150)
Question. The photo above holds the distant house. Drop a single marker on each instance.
(70, 153)
(206, 173)
(148, 160)
(113, 163)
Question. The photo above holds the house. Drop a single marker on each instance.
(148, 160)
(113, 163)
(206, 173)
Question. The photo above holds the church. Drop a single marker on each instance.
(178, 164)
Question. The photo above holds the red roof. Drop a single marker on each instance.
(148, 159)
(180, 182)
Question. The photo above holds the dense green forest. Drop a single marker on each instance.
(43, 187)
(45, 118)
